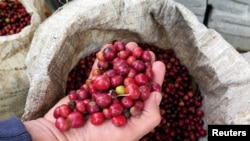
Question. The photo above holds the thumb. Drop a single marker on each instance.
(152, 110)
(150, 116)
(153, 102)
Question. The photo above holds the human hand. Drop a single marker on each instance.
(136, 127)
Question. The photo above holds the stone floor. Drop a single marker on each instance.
(231, 18)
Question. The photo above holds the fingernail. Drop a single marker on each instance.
(158, 98)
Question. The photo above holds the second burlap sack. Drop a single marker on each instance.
(14, 83)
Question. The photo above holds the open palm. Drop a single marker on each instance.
(135, 128)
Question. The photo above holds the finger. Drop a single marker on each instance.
(152, 57)
(133, 45)
(150, 115)
(158, 69)
(94, 67)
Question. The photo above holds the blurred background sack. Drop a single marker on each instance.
(14, 83)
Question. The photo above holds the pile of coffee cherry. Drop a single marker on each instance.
(182, 117)
(120, 82)
(13, 17)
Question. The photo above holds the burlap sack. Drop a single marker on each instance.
(14, 83)
(80, 27)
(246, 55)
